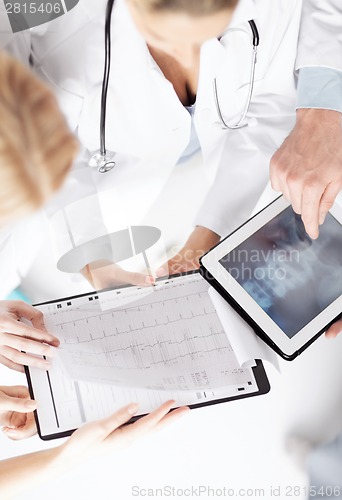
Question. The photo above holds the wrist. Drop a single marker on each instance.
(202, 238)
(311, 116)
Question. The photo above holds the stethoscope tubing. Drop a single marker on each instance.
(106, 163)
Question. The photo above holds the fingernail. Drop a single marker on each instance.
(30, 404)
(56, 343)
(132, 409)
(45, 365)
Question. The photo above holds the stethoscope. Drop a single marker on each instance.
(103, 160)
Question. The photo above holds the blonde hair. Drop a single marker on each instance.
(194, 7)
(36, 146)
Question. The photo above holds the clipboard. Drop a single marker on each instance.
(64, 403)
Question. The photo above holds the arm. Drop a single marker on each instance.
(308, 166)
(240, 181)
(20, 474)
(243, 155)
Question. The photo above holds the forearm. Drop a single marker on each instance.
(21, 474)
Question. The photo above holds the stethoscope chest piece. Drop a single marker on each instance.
(103, 162)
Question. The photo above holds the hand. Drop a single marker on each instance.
(334, 330)
(104, 274)
(16, 412)
(199, 242)
(307, 168)
(107, 435)
(16, 336)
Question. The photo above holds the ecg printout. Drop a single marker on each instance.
(165, 338)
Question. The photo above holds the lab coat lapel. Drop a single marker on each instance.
(228, 60)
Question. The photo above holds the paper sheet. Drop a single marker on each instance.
(168, 339)
(246, 344)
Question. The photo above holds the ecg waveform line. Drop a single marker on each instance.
(171, 338)
(167, 360)
(101, 315)
(78, 340)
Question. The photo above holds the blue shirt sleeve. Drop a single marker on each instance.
(320, 87)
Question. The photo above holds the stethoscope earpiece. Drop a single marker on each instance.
(105, 163)
(241, 123)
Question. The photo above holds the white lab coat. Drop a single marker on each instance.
(320, 42)
(147, 125)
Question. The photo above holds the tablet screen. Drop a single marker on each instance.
(291, 277)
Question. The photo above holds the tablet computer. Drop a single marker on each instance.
(170, 332)
(287, 286)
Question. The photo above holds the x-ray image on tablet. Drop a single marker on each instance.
(288, 286)
(292, 277)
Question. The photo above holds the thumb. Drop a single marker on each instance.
(139, 279)
(163, 271)
(20, 405)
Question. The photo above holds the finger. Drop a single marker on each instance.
(17, 391)
(174, 415)
(27, 345)
(275, 177)
(25, 431)
(334, 330)
(310, 210)
(24, 359)
(296, 196)
(286, 192)
(29, 312)
(327, 201)
(109, 275)
(133, 278)
(147, 423)
(10, 364)
(19, 405)
(141, 427)
(162, 271)
(17, 419)
(10, 325)
(108, 425)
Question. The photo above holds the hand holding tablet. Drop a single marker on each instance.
(287, 286)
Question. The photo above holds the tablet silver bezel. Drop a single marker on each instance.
(211, 262)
